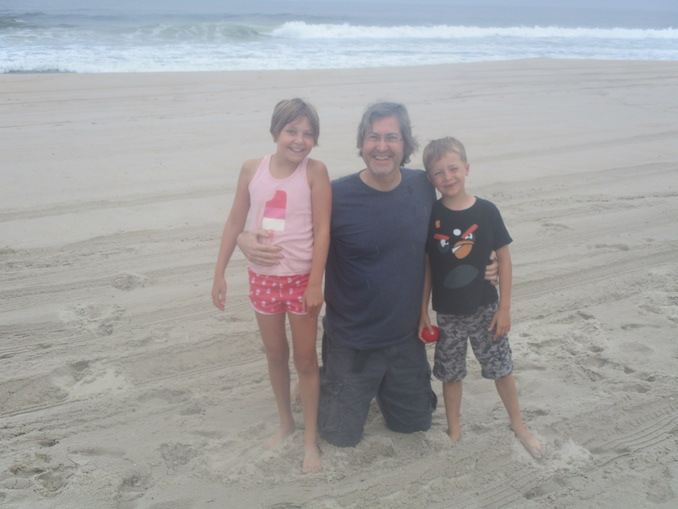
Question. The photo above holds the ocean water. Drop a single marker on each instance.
(211, 35)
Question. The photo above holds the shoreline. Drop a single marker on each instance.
(347, 69)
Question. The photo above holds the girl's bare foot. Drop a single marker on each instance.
(454, 434)
(312, 461)
(531, 443)
(279, 436)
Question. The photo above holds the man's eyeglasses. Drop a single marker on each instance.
(389, 138)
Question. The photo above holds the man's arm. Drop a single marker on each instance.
(253, 246)
(501, 323)
(492, 270)
(424, 319)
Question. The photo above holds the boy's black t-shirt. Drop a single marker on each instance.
(459, 244)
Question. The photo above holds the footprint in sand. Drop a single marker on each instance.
(129, 281)
(45, 475)
(548, 228)
(84, 380)
(177, 455)
(133, 486)
(100, 319)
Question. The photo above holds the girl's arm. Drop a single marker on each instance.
(321, 208)
(502, 318)
(234, 225)
(424, 320)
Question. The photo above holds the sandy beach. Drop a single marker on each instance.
(121, 386)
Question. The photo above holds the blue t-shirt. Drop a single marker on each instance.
(459, 246)
(375, 265)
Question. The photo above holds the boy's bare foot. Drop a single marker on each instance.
(312, 461)
(531, 443)
(279, 436)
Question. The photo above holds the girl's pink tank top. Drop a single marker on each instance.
(283, 208)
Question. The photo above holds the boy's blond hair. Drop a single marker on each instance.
(436, 149)
(288, 110)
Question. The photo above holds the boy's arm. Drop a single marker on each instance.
(502, 318)
(321, 209)
(424, 320)
(234, 225)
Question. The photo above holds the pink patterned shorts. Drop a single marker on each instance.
(272, 295)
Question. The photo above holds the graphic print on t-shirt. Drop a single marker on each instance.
(459, 244)
(274, 212)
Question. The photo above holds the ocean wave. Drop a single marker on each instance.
(200, 32)
(232, 31)
(303, 30)
(37, 70)
(10, 22)
(144, 34)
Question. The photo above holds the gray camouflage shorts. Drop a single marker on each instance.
(455, 331)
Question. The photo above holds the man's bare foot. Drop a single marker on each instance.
(312, 460)
(531, 443)
(279, 436)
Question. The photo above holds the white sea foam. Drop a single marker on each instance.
(302, 30)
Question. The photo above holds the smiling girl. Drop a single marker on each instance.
(288, 198)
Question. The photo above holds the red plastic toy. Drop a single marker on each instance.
(430, 337)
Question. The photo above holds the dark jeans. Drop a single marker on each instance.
(398, 376)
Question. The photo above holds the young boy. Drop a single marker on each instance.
(463, 231)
